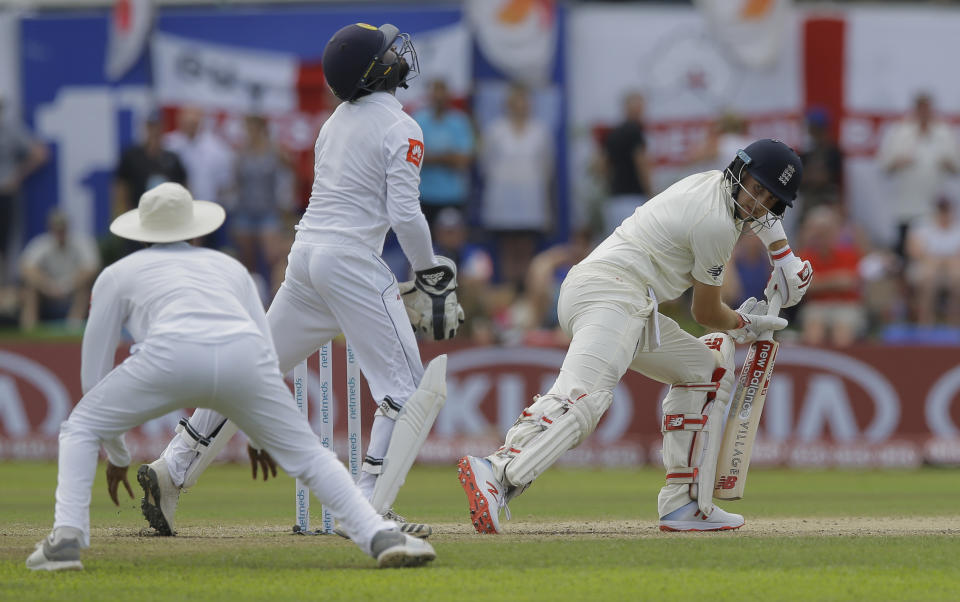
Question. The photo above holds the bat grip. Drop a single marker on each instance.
(773, 309)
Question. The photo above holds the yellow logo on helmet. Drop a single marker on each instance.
(366, 26)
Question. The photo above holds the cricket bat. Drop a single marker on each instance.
(744, 418)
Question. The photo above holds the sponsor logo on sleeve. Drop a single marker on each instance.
(415, 151)
(715, 271)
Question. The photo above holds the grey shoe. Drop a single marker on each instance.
(392, 548)
(160, 496)
(59, 551)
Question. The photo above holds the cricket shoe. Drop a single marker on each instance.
(393, 549)
(690, 518)
(160, 496)
(59, 551)
(484, 492)
(418, 530)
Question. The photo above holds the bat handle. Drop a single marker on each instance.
(773, 309)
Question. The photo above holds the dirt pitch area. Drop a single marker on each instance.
(613, 529)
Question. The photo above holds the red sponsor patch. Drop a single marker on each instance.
(415, 151)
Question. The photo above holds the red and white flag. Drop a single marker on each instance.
(130, 25)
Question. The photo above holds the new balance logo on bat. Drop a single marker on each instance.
(726, 482)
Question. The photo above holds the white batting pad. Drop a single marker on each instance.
(413, 424)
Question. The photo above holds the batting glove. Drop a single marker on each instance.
(790, 277)
(754, 321)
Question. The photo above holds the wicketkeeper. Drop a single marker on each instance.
(682, 237)
(366, 181)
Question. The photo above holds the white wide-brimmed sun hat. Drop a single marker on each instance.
(168, 213)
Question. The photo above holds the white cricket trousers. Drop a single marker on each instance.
(238, 378)
(607, 319)
(327, 290)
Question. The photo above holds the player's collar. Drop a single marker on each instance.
(384, 98)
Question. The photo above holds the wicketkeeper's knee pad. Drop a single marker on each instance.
(545, 430)
(693, 420)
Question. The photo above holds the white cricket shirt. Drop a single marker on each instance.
(685, 233)
(169, 290)
(367, 180)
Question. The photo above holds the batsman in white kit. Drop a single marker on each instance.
(682, 237)
(366, 181)
(201, 339)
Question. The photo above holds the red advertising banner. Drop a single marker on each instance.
(863, 406)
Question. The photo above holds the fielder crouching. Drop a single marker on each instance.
(683, 237)
(201, 339)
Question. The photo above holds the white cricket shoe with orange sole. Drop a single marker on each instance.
(690, 518)
(484, 493)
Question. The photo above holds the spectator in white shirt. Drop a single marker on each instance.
(933, 249)
(207, 159)
(918, 152)
(57, 268)
(517, 161)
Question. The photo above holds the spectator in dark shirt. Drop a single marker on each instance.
(142, 167)
(20, 155)
(822, 164)
(626, 165)
(145, 166)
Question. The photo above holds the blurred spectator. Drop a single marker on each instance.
(918, 152)
(450, 145)
(57, 268)
(723, 141)
(517, 162)
(625, 164)
(262, 189)
(933, 250)
(831, 312)
(546, 274)
(145, 165)
(20, 156)
(751, 270)
(822, 164)
(141, 167)
(474, 270)
(207, 159)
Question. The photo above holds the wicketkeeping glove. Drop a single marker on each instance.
(790, 279)
(431, 301)
(754, 321)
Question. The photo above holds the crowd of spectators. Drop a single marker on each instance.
(488, 192)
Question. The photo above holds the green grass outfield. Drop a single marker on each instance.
(575, 535)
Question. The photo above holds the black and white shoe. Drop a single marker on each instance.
(160, 496)
(418, 530)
